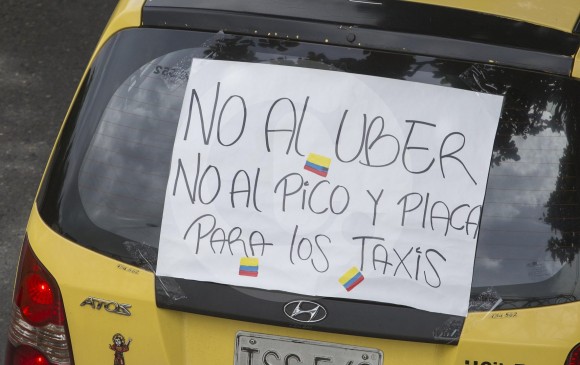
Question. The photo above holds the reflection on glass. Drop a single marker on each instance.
(528, 242)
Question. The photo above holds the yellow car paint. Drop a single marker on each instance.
(525, 336)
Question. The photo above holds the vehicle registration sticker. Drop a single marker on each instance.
(261, 349)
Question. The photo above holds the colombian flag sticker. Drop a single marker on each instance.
(249, 266)
(351, 278)
(317, 164)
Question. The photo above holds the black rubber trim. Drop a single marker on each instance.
(343, 316)
(551, 51)
(577, 27)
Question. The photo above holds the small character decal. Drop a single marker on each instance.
(119, 346)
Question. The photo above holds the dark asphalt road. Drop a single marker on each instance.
(44, 48)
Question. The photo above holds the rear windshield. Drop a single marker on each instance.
(106, 185)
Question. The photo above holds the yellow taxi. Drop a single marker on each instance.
(341, 182)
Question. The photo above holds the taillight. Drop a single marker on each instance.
(25, 355)
(574, 357)
(37, 333)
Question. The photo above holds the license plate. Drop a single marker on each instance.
(260, 349)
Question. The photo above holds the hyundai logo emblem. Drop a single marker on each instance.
(305, 311)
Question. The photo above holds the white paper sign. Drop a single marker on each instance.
(328, 184)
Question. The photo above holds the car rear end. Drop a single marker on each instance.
(92, 287)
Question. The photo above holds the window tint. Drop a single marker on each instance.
(106, 186)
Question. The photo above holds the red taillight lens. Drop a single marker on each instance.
(37, 332)
(37, 294)
(39, 290)
(26, 355)
(574, 357)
